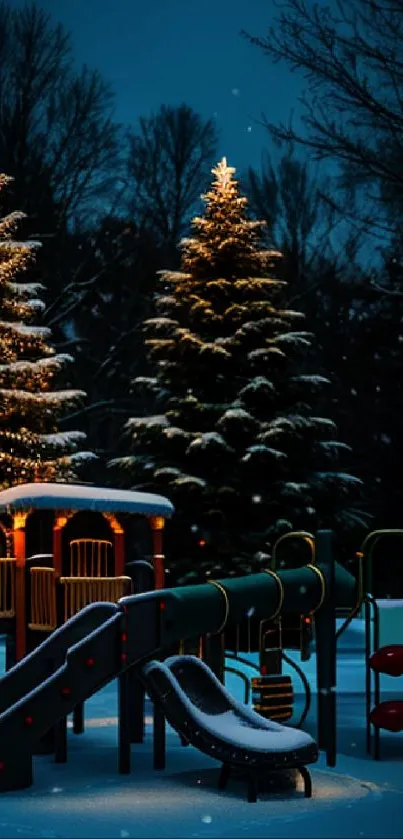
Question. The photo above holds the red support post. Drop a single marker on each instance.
(58, 525)
(157, 524)
(119, 539)
(20, 607)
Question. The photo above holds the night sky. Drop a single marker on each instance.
(172, 51)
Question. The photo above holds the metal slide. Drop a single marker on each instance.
(205, 714)
(38, 665)
(88, 665)
(76, 661)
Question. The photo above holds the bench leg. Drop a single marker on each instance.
(159, 744)
(61, 741)
(78, 719)
(377, 744)
(224, 776)
(136, 703)
(252, 789)
(124, 748)
(306, 776)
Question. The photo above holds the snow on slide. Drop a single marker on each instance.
(199, 707)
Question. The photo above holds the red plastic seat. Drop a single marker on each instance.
(388, 715)
(388, 660)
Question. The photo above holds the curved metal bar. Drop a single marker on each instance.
(244, 678)
(280, 586)
(307, 688)
(349, 618)
(361, 592)
(369, 602)
(372, 539)
(225, 595)
(243, 660)
(319, 573)
(294, 534)
(304, 680)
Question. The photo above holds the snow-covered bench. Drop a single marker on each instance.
(205, 714)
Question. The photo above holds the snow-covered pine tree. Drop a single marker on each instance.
(236, 441)
(31, 446)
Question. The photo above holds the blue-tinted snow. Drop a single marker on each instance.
(87, 797)
(75, 496)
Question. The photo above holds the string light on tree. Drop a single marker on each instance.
(31, 446)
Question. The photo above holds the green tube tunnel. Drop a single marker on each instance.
(209, 608)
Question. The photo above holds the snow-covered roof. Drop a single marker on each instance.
(47, 496)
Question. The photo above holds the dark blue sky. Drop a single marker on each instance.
(171, 51)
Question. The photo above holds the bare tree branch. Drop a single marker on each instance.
(56, 124)
(351, 56)
(169, 164)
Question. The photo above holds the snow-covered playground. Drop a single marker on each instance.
(87, 797)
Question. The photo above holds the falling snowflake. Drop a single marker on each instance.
(207, 819)
(256, 499)
(235, 91)
(249, 129)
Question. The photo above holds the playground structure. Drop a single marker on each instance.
(105, 641)
(116, 639)
(39, 593)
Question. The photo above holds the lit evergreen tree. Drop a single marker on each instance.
(31, 446)
(236, 442)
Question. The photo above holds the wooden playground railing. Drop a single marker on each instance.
(90, 557)
(7, 587)
(80, 591)
(43, 599)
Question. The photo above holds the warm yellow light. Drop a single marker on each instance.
(115, 525)
(19, 520)
(157, 522)
(61, 521)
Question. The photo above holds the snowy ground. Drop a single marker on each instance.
(87, 797)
